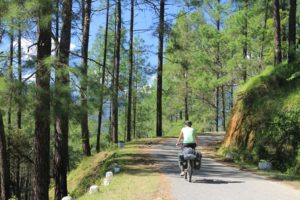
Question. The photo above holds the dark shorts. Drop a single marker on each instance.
(192, 145)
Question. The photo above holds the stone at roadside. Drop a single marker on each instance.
(109, 175)
(116, 169)
(67, 198)
(94, 189)
(229, 157)
(264, 165)
(106, 182)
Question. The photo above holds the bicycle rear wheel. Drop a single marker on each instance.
(190, 170)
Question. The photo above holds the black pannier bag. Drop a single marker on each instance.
(182, 162)
(189, 153)
(197, 161)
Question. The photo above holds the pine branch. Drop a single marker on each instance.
(90, 59)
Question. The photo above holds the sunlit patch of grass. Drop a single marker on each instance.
(257, 80)
(128, 186)
(88, 171)
(139, 177)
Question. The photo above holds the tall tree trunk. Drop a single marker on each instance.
(160, 69)
(292, 30)
(217, 93)
(231, 95)
(61, 107)
(130, 73)
(277, 33)
(56, 26)
(10, 74)
(84, 69)
(218, 64)
(27, 183)
(41, 177)
(17, 181)
(114, 119)
(4, 170)
(135, 101)
(103, 79)
(109, 119)
(284, 33)
(245, 43)
(186, 93)
(264, 33)
(113, 75)
(20, 88)
(223, 107)
(10, 99)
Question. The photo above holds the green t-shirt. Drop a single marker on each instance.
(188, 135)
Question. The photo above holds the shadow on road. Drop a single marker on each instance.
(215, 181)
(166, 155)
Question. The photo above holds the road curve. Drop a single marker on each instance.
(215, 181)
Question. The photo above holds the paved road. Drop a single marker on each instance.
(216, 181)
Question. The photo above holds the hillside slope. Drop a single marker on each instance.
(265, 122)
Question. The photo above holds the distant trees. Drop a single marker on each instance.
(222, 54)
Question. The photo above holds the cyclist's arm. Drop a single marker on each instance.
(180, 137)
(196, 139)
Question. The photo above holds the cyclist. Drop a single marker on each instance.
(189, 137)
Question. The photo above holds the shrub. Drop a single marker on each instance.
(280, 140)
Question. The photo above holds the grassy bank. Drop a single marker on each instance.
(139, 178)
(265, 122)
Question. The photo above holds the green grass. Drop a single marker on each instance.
(253, 167)
(273, 174)
(260, 102)
(257, 80)
(139, 177)
(89, 171)
(127, 186)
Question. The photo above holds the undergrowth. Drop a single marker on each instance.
(270, 103)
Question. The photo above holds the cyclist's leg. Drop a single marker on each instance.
(180, 163)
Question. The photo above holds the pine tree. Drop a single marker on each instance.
(115, 84)
(41, 179)
(103, 78)
(62, 95)
(160, 69)
(4, 170)
(86, 17)
(130, 73)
